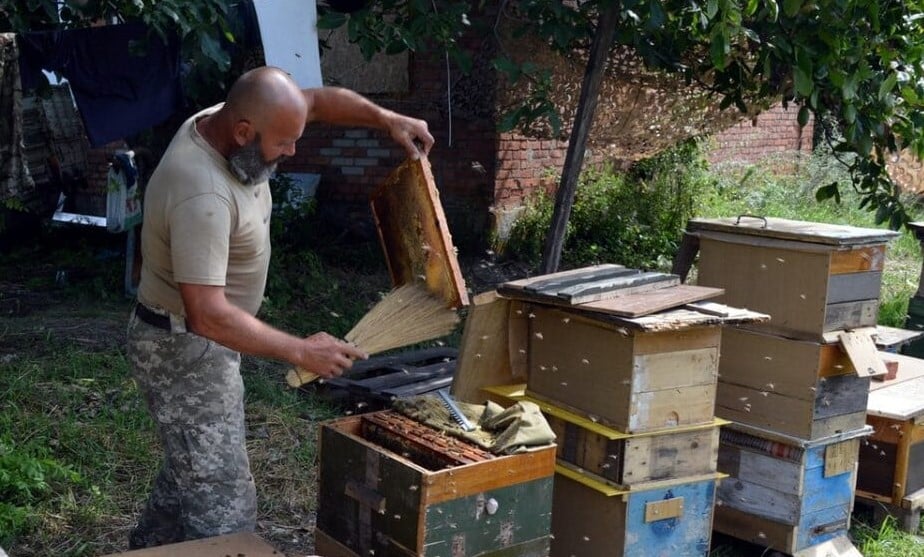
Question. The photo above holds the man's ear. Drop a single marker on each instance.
(243, 132)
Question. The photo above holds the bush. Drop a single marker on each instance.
(633, 218)
(26, 480)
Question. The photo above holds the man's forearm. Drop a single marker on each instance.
(240, 331)
(336, 105)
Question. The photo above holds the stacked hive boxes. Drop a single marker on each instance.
(632, 401)
(795, 388)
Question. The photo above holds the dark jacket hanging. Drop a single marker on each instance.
(124, 78)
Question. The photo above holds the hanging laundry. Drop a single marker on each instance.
(15, 180)
(124, 78)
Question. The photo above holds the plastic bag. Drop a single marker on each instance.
(123, 200)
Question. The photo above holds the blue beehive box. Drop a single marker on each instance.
(661, 519)
(785, 493)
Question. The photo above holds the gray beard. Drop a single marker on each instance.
(248, 166)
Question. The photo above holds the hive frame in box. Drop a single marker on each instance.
(372, 499)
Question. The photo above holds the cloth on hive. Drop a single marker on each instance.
(119, 90)
(518, 428)
(16, 180)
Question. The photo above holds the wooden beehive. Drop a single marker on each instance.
(892, 459)
(623, 459)
(804, 389)
(784, 493)
(810, 277)
(631, 377)
(666, 519)
(415, 497)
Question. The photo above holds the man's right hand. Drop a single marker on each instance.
(328, 356)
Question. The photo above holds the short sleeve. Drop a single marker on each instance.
(200, 231)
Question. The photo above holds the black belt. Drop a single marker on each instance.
(153, 318)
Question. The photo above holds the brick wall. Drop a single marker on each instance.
(774, 132)
(483, 176)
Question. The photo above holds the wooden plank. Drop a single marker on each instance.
(663, 456)
(754, 529)
(491, 474)
(672, 341)
(584, 517)
(759, 500)
(852, 287)
(863, 353)
(867, 258)
(616, 287)
(761, 469)
(552, 286)
(414, 234)
(561, 277)
(839, 395)
(659, 410)
(460, 526)
(841, 457)
(673, 320)
(802, 231)
(778, 365)
(815, 430)
(851, 315)
(628, 460)
(677, 369)
(791, 416)
(840, 546)
(891, 339)
(663, 509)
(484, 353)
(325, 545)
(646, 303)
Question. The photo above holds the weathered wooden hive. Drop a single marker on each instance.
(624, 366)
(795, 388)
(390, 486)
(810, 277)
(891, 472)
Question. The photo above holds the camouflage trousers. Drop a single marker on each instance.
(193, 390)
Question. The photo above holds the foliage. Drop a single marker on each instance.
(25, 480)
(202, 26)
(859, 59)
(885, 540)
(633, 218)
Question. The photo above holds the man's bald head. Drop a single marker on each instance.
(263, 94)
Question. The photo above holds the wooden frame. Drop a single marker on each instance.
(414, 234)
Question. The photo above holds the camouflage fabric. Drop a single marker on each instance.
(15, 180)
(194, 392)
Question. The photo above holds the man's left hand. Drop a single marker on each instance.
(408, 132)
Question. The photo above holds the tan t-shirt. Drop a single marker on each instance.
(202, 226)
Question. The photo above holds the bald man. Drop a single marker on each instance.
(206, 249)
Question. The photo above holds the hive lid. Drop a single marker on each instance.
(414, 234)
(794, 230)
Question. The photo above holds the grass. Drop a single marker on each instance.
(69, 411)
